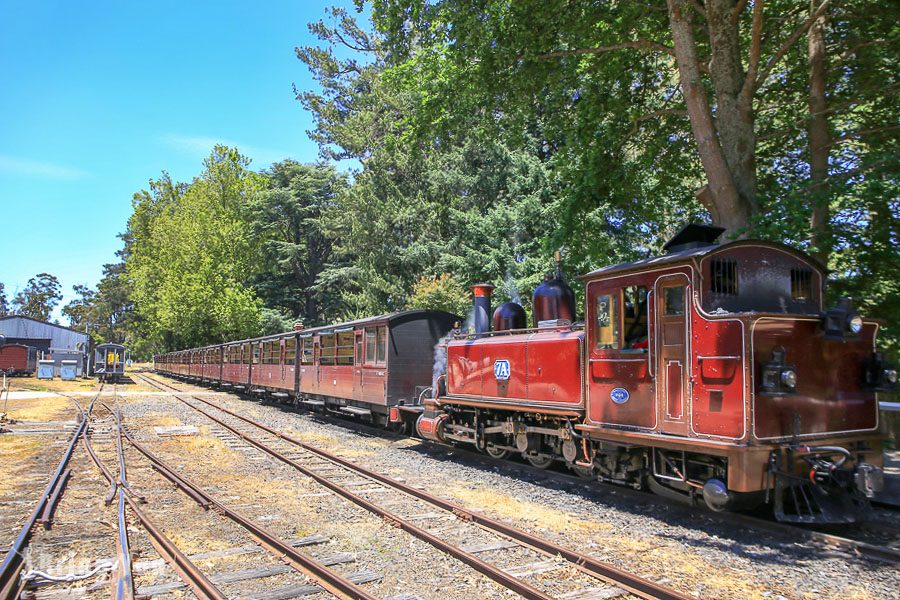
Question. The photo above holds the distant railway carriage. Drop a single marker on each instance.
(712, 373)
(18, 359)
(109, 361)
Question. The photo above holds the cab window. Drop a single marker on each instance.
(607, 321)
(634, 319)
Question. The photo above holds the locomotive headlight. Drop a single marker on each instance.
(789, 378)
(890, 376)
(855, 324)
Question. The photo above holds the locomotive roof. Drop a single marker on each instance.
(692, 253)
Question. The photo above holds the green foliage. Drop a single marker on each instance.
(288, 221)
(39, 298)
(190, 254)
(443, 292)
(271, 321)
(4, 304)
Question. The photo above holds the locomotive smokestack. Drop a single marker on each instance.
(482, 316)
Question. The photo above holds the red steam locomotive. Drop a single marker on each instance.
(711, 373)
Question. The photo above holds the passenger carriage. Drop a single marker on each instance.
(368, 367)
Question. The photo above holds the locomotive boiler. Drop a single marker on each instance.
(711, 373)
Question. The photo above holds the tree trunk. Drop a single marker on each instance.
(729, 209)
(734, 104)
(819, 140)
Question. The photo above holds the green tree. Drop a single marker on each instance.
(39, 298)
(78, 311)
(295, 248)
(190, 255)
(443, 292)
(476, 208)
(4, 304)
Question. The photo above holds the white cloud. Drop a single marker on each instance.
(200, 146)
(34, 168)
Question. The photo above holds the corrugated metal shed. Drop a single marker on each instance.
(22, 329)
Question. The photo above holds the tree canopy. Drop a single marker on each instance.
(39, 297)
(482, 137)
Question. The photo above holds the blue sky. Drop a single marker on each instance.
(97, 98)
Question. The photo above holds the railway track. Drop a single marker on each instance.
(11, 583)
(311, 574)
(105, 445)
(469, 534)
(824, 540)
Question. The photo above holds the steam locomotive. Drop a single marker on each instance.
(710, 374)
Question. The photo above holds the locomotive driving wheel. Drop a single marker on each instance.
(496, 452)
(540, 461)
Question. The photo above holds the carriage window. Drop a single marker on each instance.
(290, 351)
(345, 348)
(256, 354)
(306, 355)
(674, 300)
(381, 345)
(326, 349)
(607, 307)
(245, 354)
(271, 353)
(634, 314)
(370, 345)
(724, 276)
(801, 284)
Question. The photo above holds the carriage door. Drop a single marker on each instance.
(358, 363)
(672, 366)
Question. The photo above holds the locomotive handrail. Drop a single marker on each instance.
(471, 335)
(718, 358)
(650, 370)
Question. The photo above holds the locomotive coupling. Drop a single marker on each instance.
(825, 469)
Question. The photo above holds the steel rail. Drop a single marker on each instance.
(125, 577)
(509, 581)
(15, 559)
(601, 570)
(855, 547)
(330, 580)
(186, 570)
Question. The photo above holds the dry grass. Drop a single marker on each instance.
(509, 506)
(662, 558)
(158, 419)
(41, 409)
(51, 385)
(195, 540)
(314, 438)
(203, 442)
(16, 451)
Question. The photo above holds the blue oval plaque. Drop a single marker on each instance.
(619, 395)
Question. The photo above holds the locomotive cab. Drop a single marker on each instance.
(746, 387)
